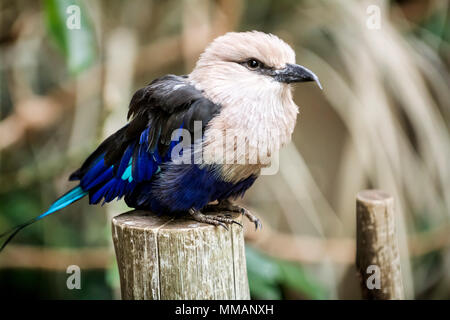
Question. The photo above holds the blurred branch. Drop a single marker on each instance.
(425, 242)
(21, 256)
(36, 113)
(305, 249)
(153, 52)
(52, 167)
(226, 18)
(301, 249)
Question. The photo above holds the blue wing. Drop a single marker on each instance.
(139, 163)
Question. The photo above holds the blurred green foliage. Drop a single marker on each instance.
(39, 284)
(77, 45)
(268, 277)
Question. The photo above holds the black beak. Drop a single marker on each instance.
(296, 73)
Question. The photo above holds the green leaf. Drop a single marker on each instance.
(263, 275)
(69, 26)
(267, 276)
(262, 289)
(112, 275)
(299, 279)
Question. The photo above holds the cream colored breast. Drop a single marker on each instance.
(248, 131)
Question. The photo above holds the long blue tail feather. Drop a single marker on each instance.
(70, 197)
(100, 180)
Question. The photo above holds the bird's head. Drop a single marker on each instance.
(248, 66)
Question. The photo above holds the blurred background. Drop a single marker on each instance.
(382, 121)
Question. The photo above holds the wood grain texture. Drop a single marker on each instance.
(377, 246)
(165, 258)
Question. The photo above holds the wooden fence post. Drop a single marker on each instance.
(163, 258)
(377, 254)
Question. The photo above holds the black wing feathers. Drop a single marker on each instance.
(110, 143)
(163, 106)
(169, 103)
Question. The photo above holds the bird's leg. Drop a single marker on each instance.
(214, 220)
(223, 205)
(227, 205)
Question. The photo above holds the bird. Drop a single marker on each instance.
(171, 156)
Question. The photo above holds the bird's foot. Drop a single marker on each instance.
(219, 220)
(227, 206)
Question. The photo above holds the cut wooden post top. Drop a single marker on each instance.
(373, 196)
(146, 220)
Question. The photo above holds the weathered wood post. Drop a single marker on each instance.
(377, 253)
(164, 258)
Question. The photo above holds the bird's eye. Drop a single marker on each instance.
(253, 63)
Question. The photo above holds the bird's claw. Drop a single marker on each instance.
(227, 206)
(223, 225)
(238, 223)
(252, 218)
(219, 220)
